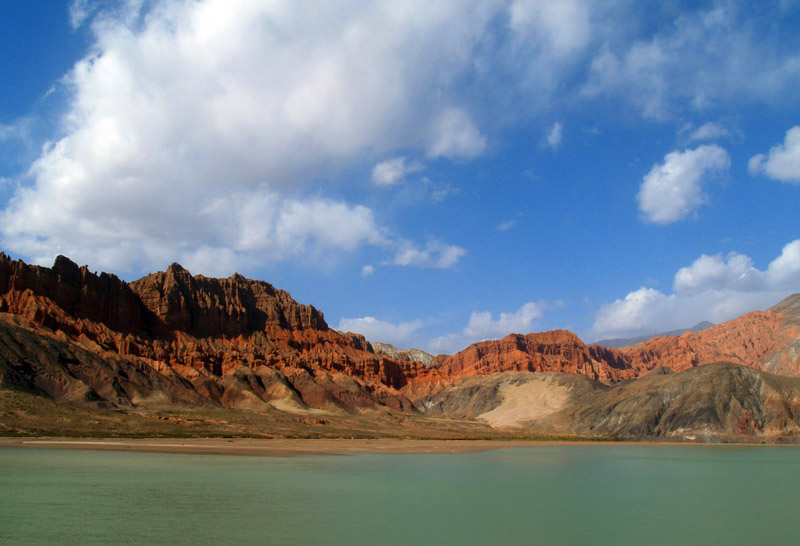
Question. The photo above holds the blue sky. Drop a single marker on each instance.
(426, 173)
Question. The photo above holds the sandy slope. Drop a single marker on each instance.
(526, 402)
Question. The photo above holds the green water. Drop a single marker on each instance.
(541, 495)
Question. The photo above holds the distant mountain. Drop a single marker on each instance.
(618, 342)
(414, 355)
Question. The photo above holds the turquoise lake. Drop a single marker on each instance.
(535, 495)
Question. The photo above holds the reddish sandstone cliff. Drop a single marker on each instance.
(765, 340)
(557, 350)
(205, 307)
(231, 340)
(245, 344)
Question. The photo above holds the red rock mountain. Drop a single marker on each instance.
(171, 337)
(554, 351)
(236, 342)
(766, 340)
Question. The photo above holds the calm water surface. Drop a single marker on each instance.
(539, 495)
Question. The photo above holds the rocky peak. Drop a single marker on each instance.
(413, 355)
(212, 307)
(79, 292)
(556, 350)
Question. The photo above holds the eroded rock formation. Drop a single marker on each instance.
(173, 338)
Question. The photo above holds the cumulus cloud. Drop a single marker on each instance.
(435, 254)
(399, 335)
(716, 288)
(392, 171)
(673, 189)
(242, 227)
(367, 270)
(554, 135)
(783, 160)
(180, 105)
(482, 325)
(734, 271)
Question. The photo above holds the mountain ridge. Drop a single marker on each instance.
(171, 339)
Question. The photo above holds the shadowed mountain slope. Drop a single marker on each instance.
(719, 401)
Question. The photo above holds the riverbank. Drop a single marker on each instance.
(279, 447)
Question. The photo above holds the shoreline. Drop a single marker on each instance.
(281, 447)
(296, 446)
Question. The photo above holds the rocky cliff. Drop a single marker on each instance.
(234, 342)
(205, 307)
(74, 290)
(765, 340)
(554, 351)
(172, 338)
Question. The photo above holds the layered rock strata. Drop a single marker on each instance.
(174, 338)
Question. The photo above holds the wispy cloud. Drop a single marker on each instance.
(393, 171)
(400, 335)
(434, 254)
(506, 225)
(453, 135)
(709, 131)
(554, 135)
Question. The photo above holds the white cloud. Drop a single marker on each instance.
(563, 24)
(239, 229)
(180, 105)
(735, 271)
(79, 12)
(367, 270)
(714, 288)
(454, 136)
(435, 254)
(783, 161)
(482, 325)
(672, 190)
(698, 60)
(554, 135)
(392, 171)
(399, 335)
(784, 271)
(709, 131)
